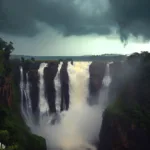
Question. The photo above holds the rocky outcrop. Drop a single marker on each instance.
(117, 76)
(50, 93)
(34, 92)
(97, 71)
(126, 121)
(6, 93)
(64, 78)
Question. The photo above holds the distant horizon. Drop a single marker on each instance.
(115, 54)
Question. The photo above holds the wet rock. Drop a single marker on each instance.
(49, 74)
(64, 78)
(97, 71)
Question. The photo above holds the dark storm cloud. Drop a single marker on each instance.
(21, 17)
(76, 17)
(132, 17)
(17, 17)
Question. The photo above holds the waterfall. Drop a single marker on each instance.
(25, 91)
(78, 82)
(107, 77)
(78, 127)
(2, 146)
(103, 93)
(58, 88)
(72, 132)
(43, 105)
(22, 91)
(28, 101)
(28, 93)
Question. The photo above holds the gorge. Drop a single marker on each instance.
(67, 120)
(78, 105)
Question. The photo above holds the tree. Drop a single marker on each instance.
(8, 50)
(2, 44)
(33, 59)
(22, 59)
(5, 51)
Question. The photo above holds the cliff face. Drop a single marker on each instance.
(64, 78)
(34, 92)
(14, 133)
(49, 75)
(126, 121)
(119, 133)
(96, 70)
(6, 93)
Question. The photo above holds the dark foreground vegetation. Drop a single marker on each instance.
(14, 134)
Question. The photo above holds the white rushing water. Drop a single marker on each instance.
(79, 126)
(22, 89)
(28, 101)
(2, 146)
(28, 93)
(58, 88)
(43, 105)
(25, 92)
(103, 93)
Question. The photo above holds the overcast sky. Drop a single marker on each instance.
(75, 27)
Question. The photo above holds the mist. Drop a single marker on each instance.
(77, 128)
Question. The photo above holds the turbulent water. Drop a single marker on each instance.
(78, 128)
(43, 105)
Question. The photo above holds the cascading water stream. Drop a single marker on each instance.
(28, 93)
(22, 88)
(43, 105)
(78, 82)
(103, 93)
(28, 101)
(58, 88)
(25, 91)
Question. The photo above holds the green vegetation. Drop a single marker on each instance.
(14, 133)
(2, 69)
(5, 51)
(135, 109)
(134, 114)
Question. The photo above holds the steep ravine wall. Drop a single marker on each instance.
(64, 79)
(50, 93)
(119, 133)
(126, 121)
(96, 70)
(14, 133)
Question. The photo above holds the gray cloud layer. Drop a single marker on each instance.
(132, 16)
(76, 17)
